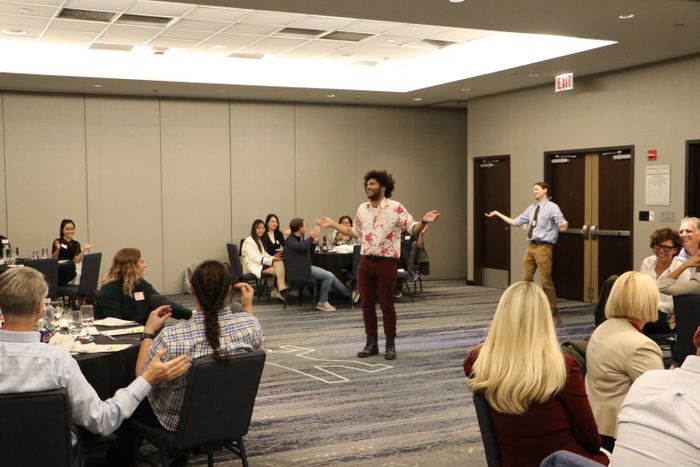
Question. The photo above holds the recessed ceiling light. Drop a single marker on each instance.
(627, 16)
(465, 89)
(96, 85)
(221, 91)
(218, 47)
(534, 75)
(391, 40)
(14, 31)
(330, 95)
(456, 1)
(25, 10)
(417, 99)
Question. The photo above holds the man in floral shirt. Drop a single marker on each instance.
(378, 223)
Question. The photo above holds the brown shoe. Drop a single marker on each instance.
(371, 348)
(390, 350)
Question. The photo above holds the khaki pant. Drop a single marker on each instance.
(539, 258)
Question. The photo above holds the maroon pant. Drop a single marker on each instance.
(376, 278)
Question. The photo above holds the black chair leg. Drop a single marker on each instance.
(242, 453)
(210, 459)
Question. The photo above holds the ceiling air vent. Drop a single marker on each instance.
(248, 56)
(299, 32)
(115, 47)
(346, 36)
(86, 15)
(142, 20)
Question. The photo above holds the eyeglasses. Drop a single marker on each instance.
(665, 248)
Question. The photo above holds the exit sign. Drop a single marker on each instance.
(564, 82)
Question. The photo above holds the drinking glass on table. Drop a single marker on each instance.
(57, 306)
(87, 316)
(75, 326)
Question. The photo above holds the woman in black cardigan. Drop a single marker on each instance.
(125, 294)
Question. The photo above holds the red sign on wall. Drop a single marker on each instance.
(564, 82)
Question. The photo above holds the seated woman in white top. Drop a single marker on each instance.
(665, 244)
(257, 260)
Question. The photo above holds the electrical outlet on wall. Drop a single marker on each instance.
(651, 216)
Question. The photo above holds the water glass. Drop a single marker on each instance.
(75, 326)
(88, 315)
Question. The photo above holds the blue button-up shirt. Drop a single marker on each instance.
(27, 365)
(546, 226)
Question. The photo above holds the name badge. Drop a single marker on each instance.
(64, 246)
(139, 296)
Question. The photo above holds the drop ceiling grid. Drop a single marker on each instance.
(199, 28)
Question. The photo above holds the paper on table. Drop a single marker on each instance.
(65, 341)
(79, 347)
(123, 331)
(114, 322)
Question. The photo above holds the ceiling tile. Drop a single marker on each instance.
(193, 25)
(387, 39)
(33, 10)
(273, 45)
(231, 40)
(101, 5)
(76, 38)
(132, 35)
(172, 43)
(204, 13)
(168, 9)
(372, 27)
(324, 45)
(419, 32)
(184, 35)
(22, 22)
(272, 18)
(322, 22)
(242, 28)
(461, 35)
(303, 54)
(73, 25)
(42, 2)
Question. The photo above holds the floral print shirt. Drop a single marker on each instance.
(380, 228)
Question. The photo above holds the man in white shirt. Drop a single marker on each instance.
(27, 364)
(659, 421)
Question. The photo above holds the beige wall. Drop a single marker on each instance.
(180, 178)
(653, 107)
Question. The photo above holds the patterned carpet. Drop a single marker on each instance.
(319, 404)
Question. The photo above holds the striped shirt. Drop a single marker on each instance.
(238, 331)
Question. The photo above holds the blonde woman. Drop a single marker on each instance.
(125, 294)
(618, 352)
(536, 393)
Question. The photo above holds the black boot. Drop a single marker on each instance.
(371, 348)
(390, 351)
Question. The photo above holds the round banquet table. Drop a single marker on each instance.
(109, 371)
(333, 262)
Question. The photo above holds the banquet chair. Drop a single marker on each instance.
(89, 279)
(409, 275)
(49, 268)
(36, 430)
(297, 267)
(216, 411)
(234, 261)
(488, 433)
(687, 310)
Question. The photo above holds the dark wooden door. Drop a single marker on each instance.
(491, 236)
(692, 178)
(567, 176)
(595, 192)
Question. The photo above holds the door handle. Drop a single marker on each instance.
(584, 232)
(593, 233)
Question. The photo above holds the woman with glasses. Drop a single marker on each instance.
(665, 243)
